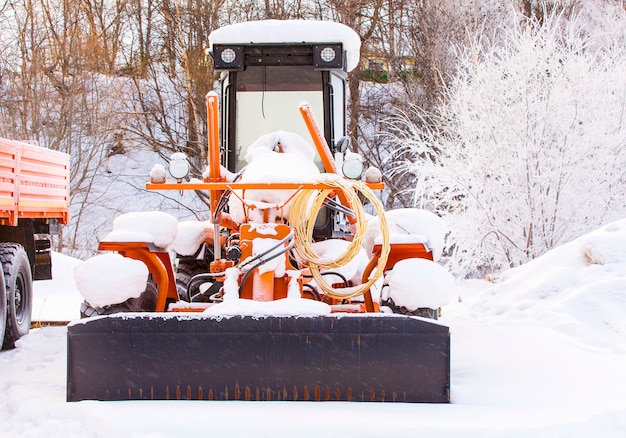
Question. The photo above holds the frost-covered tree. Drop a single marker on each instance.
(530, 145)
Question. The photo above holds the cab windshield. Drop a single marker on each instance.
(267, 100)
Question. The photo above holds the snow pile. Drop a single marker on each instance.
(409, 225)
(419, 283)
(190, 235)
(280, 141)
(110, 279)
(52, 303)
(578, 288)
(606, 246)
(153, 226)
(294, 164)
(163, 230)
(285, 31)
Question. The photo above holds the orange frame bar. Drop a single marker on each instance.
(318, 138)
(248, 186)
(323, 150)
(214, 156)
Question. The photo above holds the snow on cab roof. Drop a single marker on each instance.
(291, 31)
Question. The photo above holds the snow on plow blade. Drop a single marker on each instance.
(346, 358)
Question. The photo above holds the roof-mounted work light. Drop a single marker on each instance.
(328, 56)
(228, 57)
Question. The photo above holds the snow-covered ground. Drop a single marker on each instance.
(541, 352)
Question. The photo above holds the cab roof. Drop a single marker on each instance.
(291, 32)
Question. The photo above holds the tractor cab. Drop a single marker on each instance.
(265, 75)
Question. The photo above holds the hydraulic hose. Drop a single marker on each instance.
(263, 257)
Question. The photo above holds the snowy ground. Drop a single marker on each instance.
(541, 353)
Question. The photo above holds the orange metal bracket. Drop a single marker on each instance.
(246, 186)
(158, 262)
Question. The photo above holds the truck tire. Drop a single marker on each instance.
(146, 302)
(19, 292)
(3, 308)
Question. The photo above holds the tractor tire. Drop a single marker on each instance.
(424, 312)
(19, 292)
(146, 302)
(3, 308)
(187, 268)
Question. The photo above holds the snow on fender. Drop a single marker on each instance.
(110, 279)
(156, 227)
(190, 236)
(409, 225)
(420, 283)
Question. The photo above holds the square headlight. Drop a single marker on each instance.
(227, 57)
(328, 56)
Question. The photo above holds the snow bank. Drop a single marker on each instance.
(110, 279)
(286, 31)
(409, 225)
(606, 245)
(578, 289)
(419, 283)
(154, 226)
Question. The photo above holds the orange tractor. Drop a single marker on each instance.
(259, 311)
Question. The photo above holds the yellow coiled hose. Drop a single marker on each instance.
(304, 208)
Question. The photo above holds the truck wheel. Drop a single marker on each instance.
(146, 302)
(19, 292)
(3, 307)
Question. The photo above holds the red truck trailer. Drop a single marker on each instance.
(34, 200)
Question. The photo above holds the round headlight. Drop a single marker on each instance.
(228, 56)
(179, 166)
(352, 166)
(327, 54)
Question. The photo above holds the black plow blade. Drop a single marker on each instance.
(390, 358)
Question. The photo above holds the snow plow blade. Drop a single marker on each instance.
(385, 358)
